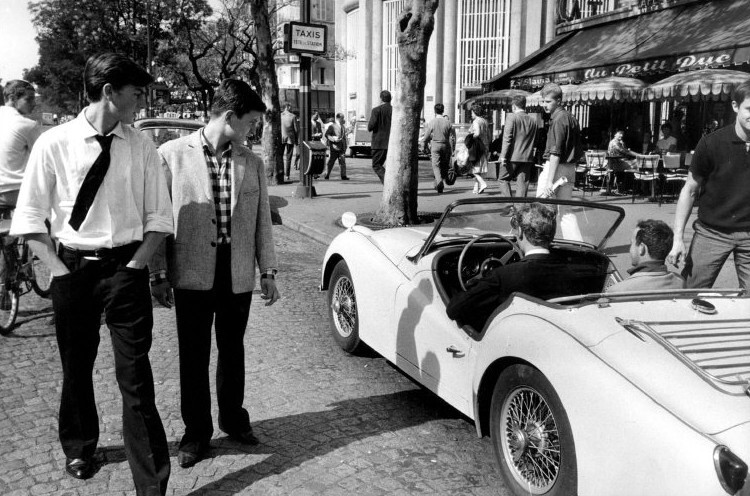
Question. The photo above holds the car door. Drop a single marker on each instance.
(430, 346)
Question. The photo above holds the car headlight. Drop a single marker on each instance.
(730, 469)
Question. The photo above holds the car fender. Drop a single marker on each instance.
(625, 432)
(375, 280)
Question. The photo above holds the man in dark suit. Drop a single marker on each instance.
(517, 154)
(539, 273)
(289, 132)
(380, 126)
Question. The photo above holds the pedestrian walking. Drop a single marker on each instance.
(213, 279)
(101, 183)
(561, 154)
(316, 129)
(480, 130)
(380, 126)
(439, 134)
(719, 177)
(336, 139)
(517, 154)
(289, 137)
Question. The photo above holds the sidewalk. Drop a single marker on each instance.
(316, 217)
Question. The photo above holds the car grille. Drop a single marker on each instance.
(718, 350)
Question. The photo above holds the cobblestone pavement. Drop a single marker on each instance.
(329, 423)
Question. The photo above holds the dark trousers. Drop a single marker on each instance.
(288, 151)
(336, 156)
(378, 163)
(78, 299)
(514, 171)
(195, 312)
(440, 156)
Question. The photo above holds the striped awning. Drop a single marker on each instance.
(701, 85)
(612, 88)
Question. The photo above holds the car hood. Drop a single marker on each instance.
(396, 243)
(689, 362)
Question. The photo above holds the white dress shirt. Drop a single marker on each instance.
(132, 200)
(16, 139)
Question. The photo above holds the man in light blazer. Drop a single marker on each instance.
(220, 205)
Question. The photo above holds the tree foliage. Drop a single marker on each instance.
(70, 32)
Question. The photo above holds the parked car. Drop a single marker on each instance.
(639, 393)
(161, 130)
(360, 140)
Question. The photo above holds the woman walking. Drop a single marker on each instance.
(480, 129)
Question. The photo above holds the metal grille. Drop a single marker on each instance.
(715, 349)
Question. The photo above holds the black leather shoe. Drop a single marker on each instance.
(80, 468)
(191, 453)
(344, 178)
(325, 177)
(245, 437)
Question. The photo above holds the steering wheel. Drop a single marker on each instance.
(486, 264)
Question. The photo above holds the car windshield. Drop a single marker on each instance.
(160, 133)
(578, 222)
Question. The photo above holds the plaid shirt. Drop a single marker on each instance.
(220, 170)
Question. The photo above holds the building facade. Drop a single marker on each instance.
(472, 41)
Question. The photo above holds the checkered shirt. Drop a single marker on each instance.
(220, 170)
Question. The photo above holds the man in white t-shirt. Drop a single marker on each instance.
(18, 136)
(668, 143)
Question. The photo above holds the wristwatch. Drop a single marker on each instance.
(269, 273)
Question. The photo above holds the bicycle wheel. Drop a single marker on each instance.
(8, 317)
(41, 277)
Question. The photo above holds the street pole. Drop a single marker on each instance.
(305, 188)
(149, 93)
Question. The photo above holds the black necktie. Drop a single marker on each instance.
(91, 183)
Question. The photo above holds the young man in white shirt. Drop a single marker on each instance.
(101, 184)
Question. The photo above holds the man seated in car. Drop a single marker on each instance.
(649, 246)
(539, 273)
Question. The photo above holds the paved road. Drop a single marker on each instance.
(329, 423)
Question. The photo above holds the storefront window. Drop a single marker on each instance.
(484, 40)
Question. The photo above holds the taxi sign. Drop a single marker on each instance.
(303, 37)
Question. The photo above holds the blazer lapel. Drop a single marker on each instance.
(198, 158)
(239, 163)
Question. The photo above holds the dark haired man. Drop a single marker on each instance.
(380, 126)
(101, 184)
(649, 247)
(668, 143)
(336, 139)
(221, 212)
(539, 273)
(517, 154)
(719, 177)
(440, 132)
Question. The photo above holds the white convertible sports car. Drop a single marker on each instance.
(594, 394)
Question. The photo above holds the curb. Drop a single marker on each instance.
(312, 233)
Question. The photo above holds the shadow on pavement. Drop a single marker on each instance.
(293, 440)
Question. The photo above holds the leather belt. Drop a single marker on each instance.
(116, 253)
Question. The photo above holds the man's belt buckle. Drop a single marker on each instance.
(97, 255)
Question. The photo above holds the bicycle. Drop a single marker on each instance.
(23, 272)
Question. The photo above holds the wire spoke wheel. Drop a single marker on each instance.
(344, 306)
(531, 440)
(342, 301)
(531, 434)
(9, 303)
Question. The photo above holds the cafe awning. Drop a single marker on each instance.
(500, 98)
(612, 88)
(706, 84)
(692, 36)
(536, 99)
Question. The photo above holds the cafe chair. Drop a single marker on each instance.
(596, 168)
(673, 173)
(645, 172)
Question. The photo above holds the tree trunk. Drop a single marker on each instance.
(399, 203)
(269, 86)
